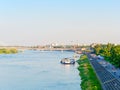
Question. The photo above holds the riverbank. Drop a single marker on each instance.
(87, 74)
(8, 51)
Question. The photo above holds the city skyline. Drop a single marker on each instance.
(38, 22)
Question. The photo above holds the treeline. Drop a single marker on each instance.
(8, 51)
(110, 52)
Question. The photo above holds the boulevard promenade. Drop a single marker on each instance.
(109, 79)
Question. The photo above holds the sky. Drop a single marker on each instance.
(39, 22)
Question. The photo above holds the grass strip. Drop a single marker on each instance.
(87, 74)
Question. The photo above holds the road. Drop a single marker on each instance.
(108, 81)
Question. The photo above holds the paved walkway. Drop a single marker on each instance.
(114, 71)
(107, 74)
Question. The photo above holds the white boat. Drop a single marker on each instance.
(67, 61)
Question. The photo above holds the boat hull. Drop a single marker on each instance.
(67, 61)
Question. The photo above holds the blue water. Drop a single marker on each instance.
(37, 70)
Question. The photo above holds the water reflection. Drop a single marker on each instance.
(68, 66)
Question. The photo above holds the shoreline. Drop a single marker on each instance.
(8, 51)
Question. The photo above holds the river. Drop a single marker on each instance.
(38, 70)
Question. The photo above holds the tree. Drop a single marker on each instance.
(97, 49)
(106, 50)
(115, 55)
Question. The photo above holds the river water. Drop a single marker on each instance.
(38, 70)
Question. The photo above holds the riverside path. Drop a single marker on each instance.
(108, 81)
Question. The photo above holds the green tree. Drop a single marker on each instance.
(106, 50)
(115, 55)
(97, 49)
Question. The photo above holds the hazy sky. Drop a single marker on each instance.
(34, 22)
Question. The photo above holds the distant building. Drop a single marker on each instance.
(54, 44)
(93, 45)
(83, 49)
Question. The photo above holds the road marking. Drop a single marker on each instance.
(109, 81)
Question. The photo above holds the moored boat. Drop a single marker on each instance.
(67, 61)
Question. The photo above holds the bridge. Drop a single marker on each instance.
(42, 48)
